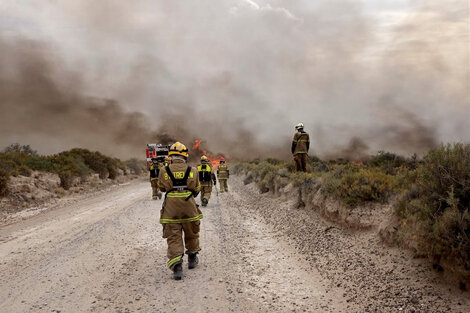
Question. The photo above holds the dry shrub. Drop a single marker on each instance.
(3, 183)
(435, 209)
(356, 185)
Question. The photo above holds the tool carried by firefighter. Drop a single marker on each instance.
(180, 215)
(156, 154)
(207, 179)
(300, 147)
(223, 175)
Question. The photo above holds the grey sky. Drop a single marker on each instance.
(265, 65)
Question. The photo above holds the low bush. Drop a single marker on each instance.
(435, 207)
(22, 160)
(66, 179)
(356, 185)
(136, 166)
(431, 195)
(3, 183)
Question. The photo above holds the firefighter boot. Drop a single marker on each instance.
(193, 260)
(178, 271)
(204, 202)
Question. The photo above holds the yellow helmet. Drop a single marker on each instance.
(204, 158)
(299, 126)
(178, 149)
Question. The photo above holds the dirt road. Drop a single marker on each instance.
(105, 254)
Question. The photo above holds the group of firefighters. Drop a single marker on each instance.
(180, 214)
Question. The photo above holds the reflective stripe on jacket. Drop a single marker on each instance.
(179, 205)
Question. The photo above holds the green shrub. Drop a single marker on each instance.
(391, 163)
(20, 149)
(8, 165)
(66, 179)
(112, 168)
(24, 171)
(3, 183)
(96, 161)
(435, 208)
(137, 166)
(356, 185)
(40, 163)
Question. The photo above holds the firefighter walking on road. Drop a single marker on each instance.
(180, 216)
(300, 147)
(154, 169)
(223, 174)
(207, 179)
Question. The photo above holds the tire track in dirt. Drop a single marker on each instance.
(105, 254)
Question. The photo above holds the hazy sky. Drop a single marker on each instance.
(392, 72)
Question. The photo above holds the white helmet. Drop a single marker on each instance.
(299, 126)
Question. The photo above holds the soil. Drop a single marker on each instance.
(103, 252)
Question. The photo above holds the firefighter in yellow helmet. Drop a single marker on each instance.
(180, 213)
(223, 175)
(207, 179)
(300, 147)
(154, 169)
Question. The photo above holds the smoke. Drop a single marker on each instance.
(42, 105)
(238, 74)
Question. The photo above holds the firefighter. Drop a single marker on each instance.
(180, 214)
(207, 179)
(300, 146)
(223, 175)
(154, 169)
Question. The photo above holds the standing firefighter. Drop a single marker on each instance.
(207, 178)
(223, 175)
(180, 212)
(300, 146)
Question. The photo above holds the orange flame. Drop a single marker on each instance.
(359, 163)
(215, 160)
(197, 144)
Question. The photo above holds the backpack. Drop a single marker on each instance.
(204, 173)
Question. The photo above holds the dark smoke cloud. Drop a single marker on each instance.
(40, 102)
(237, 73)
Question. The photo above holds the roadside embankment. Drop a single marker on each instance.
(30, 182)
(417, 204)
(375, 277)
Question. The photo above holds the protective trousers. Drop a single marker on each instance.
(173, 233)
(301, 162)
(223, 184)
(206, 192)
(155, 191)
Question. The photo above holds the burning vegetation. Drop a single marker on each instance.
(198, 151)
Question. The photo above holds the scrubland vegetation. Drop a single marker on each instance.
(430, 195)
(76, 163)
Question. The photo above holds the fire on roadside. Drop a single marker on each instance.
(214, 159)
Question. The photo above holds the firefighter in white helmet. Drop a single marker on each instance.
(300, 147)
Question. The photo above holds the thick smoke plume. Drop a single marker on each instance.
(239, 74)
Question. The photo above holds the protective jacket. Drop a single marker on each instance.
(300, 143)
(181, 184)
(154, 169)
(206, 174)
(223, 172)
